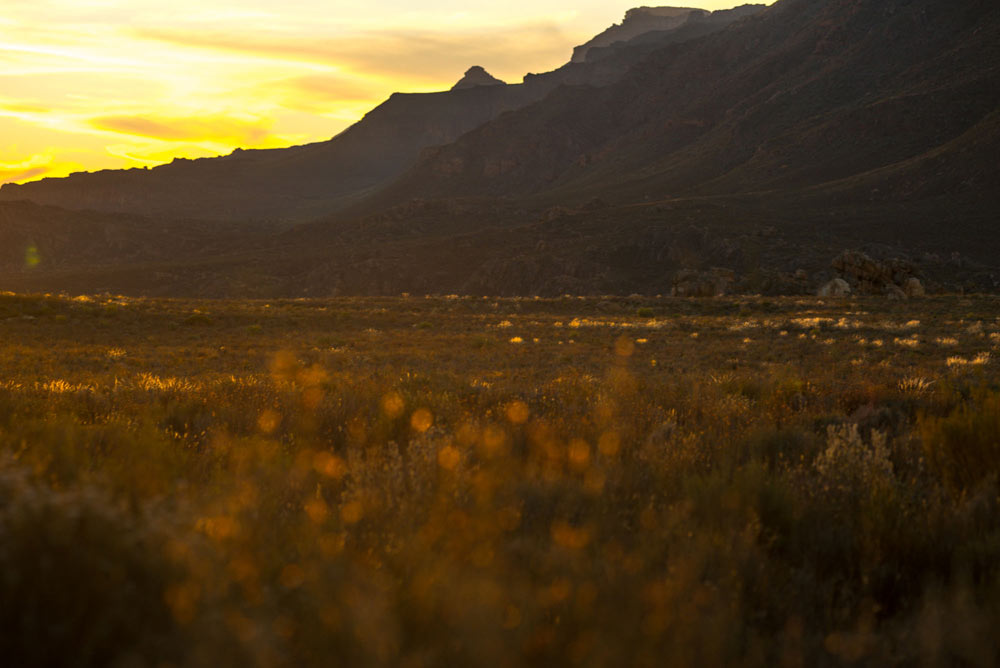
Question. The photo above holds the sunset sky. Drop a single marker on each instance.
(126, 83)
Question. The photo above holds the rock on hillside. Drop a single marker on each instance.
(477, 76)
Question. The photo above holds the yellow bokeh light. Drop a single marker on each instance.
(449, 457)
(268, 421)
(329, 465)
(624, 346)
(352, 512)
(518, 412)
(421, 420)
(392, 405)
(609, 444)
(579, 454)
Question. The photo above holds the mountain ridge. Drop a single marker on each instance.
(299, 183)
(763, 150)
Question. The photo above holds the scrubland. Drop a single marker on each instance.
(457, 481)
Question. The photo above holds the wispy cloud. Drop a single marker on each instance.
(19, 175)
(186, 129)
(25, 170)
(321, 93)
(413, 55)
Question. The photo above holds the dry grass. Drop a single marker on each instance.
(457, 481)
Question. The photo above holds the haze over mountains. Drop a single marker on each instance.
(761, 142)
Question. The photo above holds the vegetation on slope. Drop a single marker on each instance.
(428, 481)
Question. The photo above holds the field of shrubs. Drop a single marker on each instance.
(467, 481)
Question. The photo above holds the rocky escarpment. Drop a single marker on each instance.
(638, 21)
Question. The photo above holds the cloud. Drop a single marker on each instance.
(24, 107)
(320, 93)
(330, 87)
(26, 170)
(215, 128)
(18, 175)
(414, 56)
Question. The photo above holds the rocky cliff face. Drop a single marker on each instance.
(636, 22)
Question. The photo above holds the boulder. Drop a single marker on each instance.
(838, 287)
(894, 292)
(913, 287)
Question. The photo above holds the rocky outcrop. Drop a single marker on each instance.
(838, 287)
(646, 26)
(713, 283)
(477, 76)
(894, 278)
(637, 22)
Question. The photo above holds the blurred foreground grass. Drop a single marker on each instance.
(457, 481)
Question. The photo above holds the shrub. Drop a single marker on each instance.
(963, 448)
(849, 462)
(772, 446)
(197, 320)
(82, 581)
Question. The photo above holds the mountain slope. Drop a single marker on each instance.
(304, 182)
(759, 151)
(284, 184)
(40, 239)
(806, 92)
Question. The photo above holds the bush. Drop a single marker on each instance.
(964, 447)
(81, 580)
(197, 320)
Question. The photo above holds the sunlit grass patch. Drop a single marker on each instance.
(979, 359)
(915, 384)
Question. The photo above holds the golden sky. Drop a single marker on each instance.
(94, 84)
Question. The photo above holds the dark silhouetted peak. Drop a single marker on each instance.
(477, 76)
